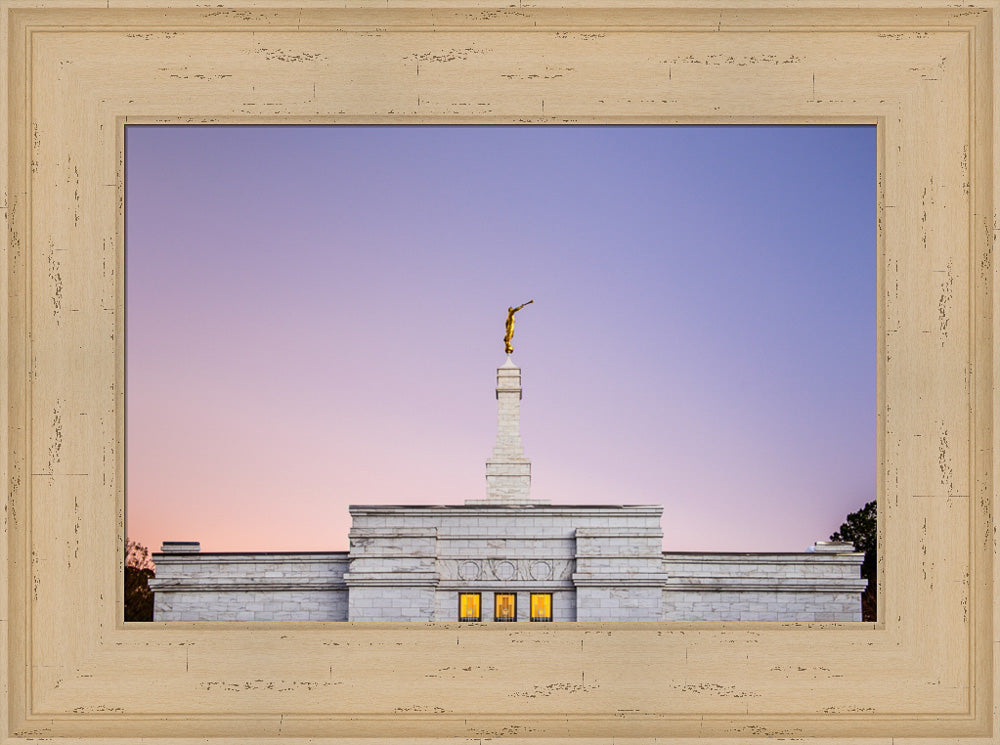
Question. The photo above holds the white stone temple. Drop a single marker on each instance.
(507, 558)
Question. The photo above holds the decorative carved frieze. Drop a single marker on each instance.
(505, 570)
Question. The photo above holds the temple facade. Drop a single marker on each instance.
(507, 558)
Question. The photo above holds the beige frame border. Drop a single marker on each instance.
(78, 70)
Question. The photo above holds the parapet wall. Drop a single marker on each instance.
(249, 587)
(814, 586)
(600, 574)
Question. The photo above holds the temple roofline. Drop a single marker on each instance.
(487, 505)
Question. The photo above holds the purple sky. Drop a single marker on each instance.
(315, 317)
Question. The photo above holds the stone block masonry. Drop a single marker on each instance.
(194, 586)
(409, 563)
(599, 563)
(508, 471)
(239, 605)
(820, 585)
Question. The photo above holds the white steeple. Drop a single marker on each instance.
(508, 471)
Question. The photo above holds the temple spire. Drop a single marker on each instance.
(508, 471)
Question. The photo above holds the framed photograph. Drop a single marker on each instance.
(77, 73)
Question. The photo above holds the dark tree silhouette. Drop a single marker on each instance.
(860, 529)
(139, 569)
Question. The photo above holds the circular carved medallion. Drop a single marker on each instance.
(504, 570)
(540, 570)
(469, 570)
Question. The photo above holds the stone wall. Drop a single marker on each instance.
(619, 573)
(391, 604)
(264, 605)
(404, 557)
(408, 564)
(621, 603)
(192, 586)
(392, 574)
(823, 585)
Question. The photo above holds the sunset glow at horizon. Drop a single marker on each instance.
(315, 315)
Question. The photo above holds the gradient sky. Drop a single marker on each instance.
(315, 317)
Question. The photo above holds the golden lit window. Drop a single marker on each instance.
(468, 607)
(541, 606)
(506, 607)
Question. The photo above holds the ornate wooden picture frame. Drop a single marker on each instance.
(77, 71)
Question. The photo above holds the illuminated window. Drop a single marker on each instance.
(541, 606)
(506, 607)
(468, 607)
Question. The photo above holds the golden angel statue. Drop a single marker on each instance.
(510, 326)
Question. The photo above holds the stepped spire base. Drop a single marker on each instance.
(508, 471)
